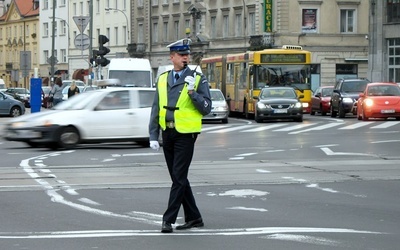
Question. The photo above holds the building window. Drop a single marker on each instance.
(140, 3)
(63, 27)
(252, 24)
(165, 31)
(225, 29)
(45, 29)
(63, 55)
(213, 27)
(394, 59)
(154, 2)
(116, 35)
(393, 11)
(45, 4)
(176, 29)
(155, 32)
(74, 10)
(238, 25)
(309, 21)
(347, 21)
(140, 33)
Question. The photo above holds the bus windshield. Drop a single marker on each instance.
(296, 76)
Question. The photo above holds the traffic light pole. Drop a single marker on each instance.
(90, 40)
(53, 41)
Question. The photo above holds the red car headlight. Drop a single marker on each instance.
(368, 102)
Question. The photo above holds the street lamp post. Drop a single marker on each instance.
(126, 17)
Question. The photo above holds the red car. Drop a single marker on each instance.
(379, 100)
(320, 101)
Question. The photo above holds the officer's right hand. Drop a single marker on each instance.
(154, 145)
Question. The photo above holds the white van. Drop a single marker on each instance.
(131, 72)
(2, 85)
(163, 68)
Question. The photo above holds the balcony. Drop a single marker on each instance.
(137, 50)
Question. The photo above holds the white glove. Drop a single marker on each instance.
(154, 145)
(190, 81)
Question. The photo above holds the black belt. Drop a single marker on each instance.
(171, 108)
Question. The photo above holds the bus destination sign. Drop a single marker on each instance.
(283, 58)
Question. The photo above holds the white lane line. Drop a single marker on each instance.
(327, 151)
(262, 128)
(357, 125)
(376, 142)
(89, 201)
(190, 233)
(248, 209)
(386, 124)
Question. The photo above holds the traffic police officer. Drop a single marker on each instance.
(182, 99)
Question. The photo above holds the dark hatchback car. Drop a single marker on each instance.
(345, 95)
(275, 103)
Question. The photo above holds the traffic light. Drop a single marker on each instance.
(100, 59)
(94, 57)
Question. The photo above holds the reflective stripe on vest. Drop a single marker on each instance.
(187, 117)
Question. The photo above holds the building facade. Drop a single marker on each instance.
(19, 41)
(384, 41)
(334, 30)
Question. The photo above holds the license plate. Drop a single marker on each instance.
(387, 111)
(280, 111)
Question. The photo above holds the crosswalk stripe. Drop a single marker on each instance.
(214, 128)
(386, 124)
(300, 126)
(357, 125)
(325, 126)
(231, 129)
(264, 127)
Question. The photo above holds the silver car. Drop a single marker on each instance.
(219, 109)
(10, 106)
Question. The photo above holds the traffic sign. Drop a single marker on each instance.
(82, 41)
(81, 22)
(52, 60)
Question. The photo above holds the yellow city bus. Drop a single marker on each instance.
(241, 76)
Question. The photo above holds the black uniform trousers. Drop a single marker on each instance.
(178, 151)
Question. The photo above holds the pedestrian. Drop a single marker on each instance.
(182, 98)
(73, 89)
(56, 91)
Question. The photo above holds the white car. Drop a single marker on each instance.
(106, 115)
(219, 108)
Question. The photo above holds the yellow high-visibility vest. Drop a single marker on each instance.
(187, 118)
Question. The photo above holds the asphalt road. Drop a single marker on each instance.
(321, 184)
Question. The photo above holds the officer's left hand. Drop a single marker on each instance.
(190, 80)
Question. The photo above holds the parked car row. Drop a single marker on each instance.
(359, 97)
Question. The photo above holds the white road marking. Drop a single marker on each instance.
(263, 171)
(327, 151)
(230, 129)
(376, 142)
(191, 232)
(357, 125)
(386, 124)
(258, 129)
(322, 127)
(304, 239)
(89, 201)
(300, 126)
(248, 209)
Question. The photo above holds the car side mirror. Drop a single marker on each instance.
(336, 91)
(318, 95)
(256, 98)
